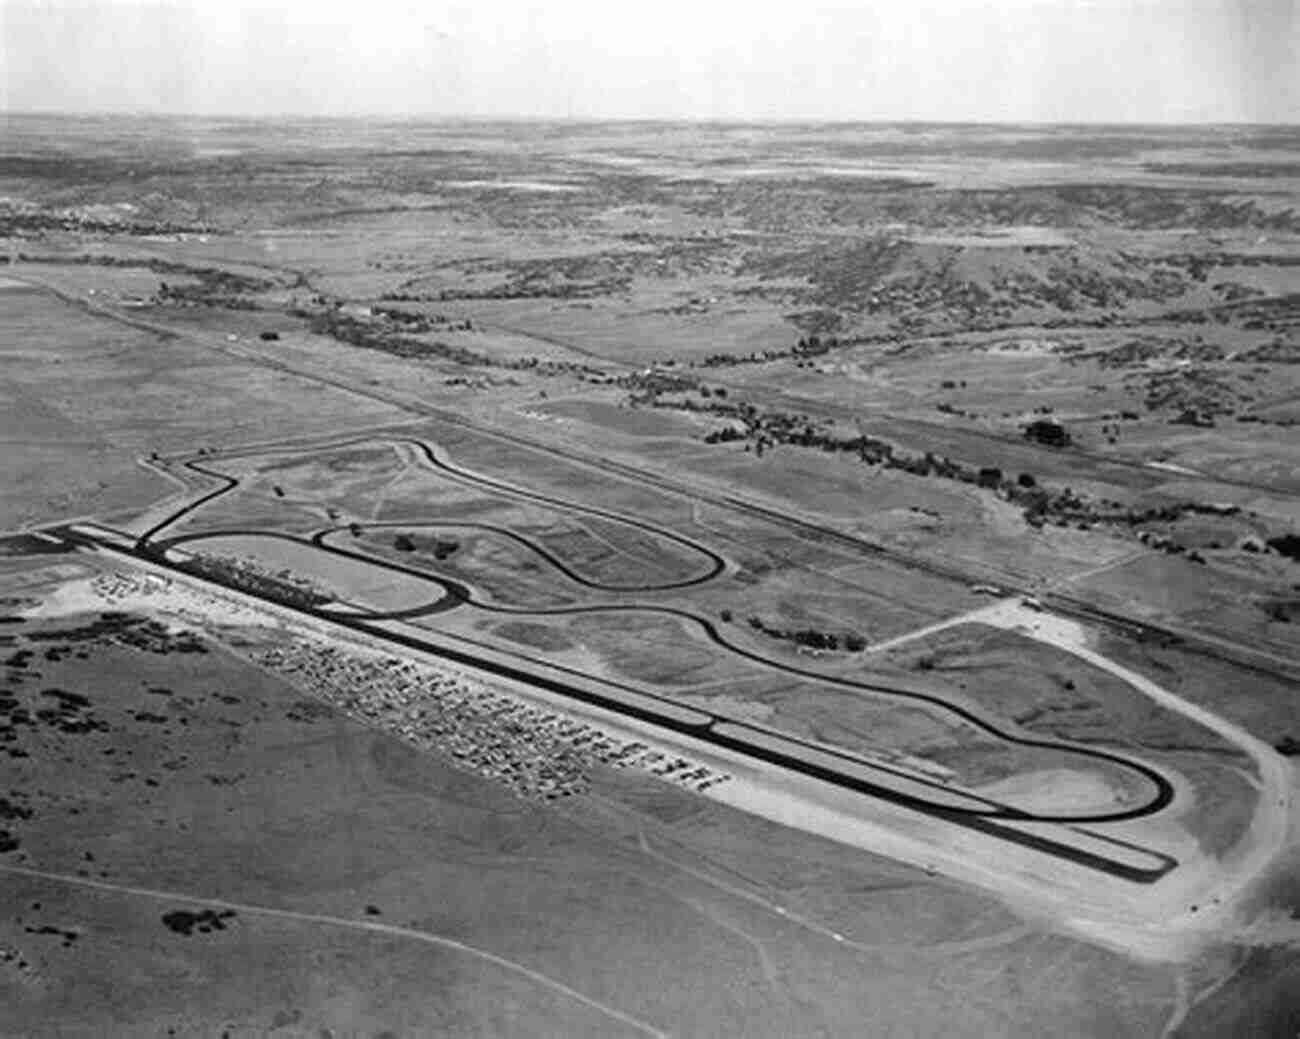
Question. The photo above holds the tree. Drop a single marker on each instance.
(1045, 431)
(442, 549)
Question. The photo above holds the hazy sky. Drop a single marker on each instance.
(999, 60)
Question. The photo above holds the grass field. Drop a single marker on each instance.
(1047, 691)
(262, 812)
(86, 397)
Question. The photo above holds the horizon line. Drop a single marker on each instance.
(651, 120)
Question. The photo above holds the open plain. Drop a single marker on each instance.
(627, 579)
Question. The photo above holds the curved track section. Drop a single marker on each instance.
(712, 633)
(717, 564)
(506, 534)
(454, 593)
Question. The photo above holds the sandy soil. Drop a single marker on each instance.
(1057, 790)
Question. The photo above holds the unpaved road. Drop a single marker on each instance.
(1271, 827)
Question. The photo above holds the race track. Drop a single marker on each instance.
(896, 786)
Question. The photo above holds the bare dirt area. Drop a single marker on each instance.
(1048, 691)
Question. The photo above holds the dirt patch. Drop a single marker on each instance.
(539, 636)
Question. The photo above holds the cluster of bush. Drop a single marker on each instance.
(811, 638)
(416, 322)
(535, 290)
(1040, 505)
(378, 335)
(215, 288)
(14, 224)
(394, 335)
(754, 357)
(440, 548)
(648, 386)
(1045, 431)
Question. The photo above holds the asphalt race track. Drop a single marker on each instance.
(817, 761)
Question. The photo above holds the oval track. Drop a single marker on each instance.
(719, 564)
